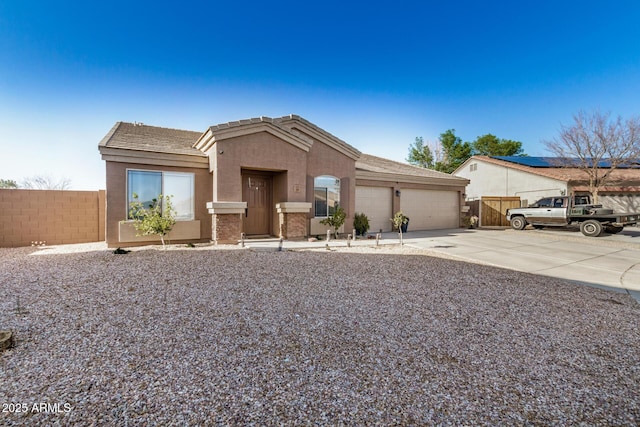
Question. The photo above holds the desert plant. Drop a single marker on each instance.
(157, 219)
(336, 220)
(398, 220)
(361, 223)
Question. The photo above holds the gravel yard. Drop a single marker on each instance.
(387, 336)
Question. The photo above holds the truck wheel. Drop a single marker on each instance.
(591, 228)
(518, 223)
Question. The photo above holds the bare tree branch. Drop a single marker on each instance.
(45, 182)
(597, 144)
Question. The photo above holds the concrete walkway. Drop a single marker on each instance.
(611, 261)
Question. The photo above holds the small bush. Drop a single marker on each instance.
(336, 220)
(361, 224)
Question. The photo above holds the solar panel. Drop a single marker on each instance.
(555, 162)
(534, 162)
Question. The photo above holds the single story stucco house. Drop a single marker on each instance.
(264, 177)
(532, 178)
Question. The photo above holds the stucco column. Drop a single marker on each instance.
(292, 217)
(226, 224)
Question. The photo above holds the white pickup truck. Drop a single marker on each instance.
(561, 211)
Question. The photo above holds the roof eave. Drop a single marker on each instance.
(105, 141)
(414, 179)
(122, 155)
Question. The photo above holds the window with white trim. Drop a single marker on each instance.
(326, 192)
(148, 185)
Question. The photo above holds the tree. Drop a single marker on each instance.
(491, 145)
(420, 154)
(399, 219)
(597, 145)
(155, 220)
(45, 182)
(454, 152)
(336, 220)
(8, 183)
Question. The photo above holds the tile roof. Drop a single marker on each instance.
(140, 137)
(371, 163)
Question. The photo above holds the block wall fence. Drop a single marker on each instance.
(52, 217)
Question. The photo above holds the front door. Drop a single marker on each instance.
(256, 191)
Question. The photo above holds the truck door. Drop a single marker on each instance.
(558, 212)
(542, 213)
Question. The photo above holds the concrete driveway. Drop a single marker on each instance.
(609, 261)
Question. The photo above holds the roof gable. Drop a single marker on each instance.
(305, 128)
(240, 128)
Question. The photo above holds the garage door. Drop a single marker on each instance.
(430, 209)
(628, 202)
(375, 202)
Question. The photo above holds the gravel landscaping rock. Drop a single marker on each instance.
(237, 337)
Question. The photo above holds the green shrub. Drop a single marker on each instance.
(361, 224)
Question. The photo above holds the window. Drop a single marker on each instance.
(543, 203)
(148, 185)
(473, 167)
(326, 195)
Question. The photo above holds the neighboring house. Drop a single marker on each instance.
(532, 178)
(264, 177)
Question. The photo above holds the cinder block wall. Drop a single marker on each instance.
(51, 216)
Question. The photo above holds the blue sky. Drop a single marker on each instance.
(375, 74)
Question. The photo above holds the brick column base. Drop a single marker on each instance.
(292, 217)
(226, 228)
(293, 225)
(226, 221)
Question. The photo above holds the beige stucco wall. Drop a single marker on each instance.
(117, 198)
(495, 180)
(259, 151)
(324, 160)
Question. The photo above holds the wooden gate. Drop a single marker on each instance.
(493, 210)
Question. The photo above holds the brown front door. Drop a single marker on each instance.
(256, 191)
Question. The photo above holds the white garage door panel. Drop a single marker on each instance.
(375, 202)
(620, 202)
(430, 209)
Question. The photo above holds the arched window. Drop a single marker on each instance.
(326, 195)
